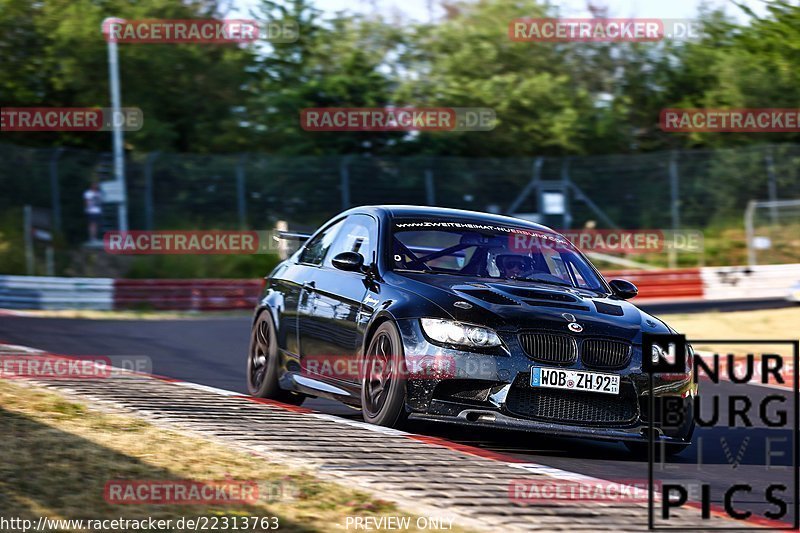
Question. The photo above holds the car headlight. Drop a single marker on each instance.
(452, 332)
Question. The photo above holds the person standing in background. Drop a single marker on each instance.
(92, 200)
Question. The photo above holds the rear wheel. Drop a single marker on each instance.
(383, 385)
(263, 364)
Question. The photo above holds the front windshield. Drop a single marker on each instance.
(489, 251)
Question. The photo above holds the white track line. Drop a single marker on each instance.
(18, 347)
(206, 388)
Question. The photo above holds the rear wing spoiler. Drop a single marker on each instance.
(292, 236)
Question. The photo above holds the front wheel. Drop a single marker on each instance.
(263, 364)
(383, 385)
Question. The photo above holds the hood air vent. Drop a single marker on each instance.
(491, 297)
(538, 303)
(542, 295)
(609, 309)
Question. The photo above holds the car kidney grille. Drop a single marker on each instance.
(549, 348)
(573, 407)
(600, 353)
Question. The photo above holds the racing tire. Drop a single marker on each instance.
(263, 364)
(383, 384)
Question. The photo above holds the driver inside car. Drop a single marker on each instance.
(502, 264)
(512, 266)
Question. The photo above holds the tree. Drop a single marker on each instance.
(54, 55)
(341, 62)
(548, 97)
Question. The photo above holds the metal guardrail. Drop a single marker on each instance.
(34, 292)
(37, 292)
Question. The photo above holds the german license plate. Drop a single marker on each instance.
(558, 378)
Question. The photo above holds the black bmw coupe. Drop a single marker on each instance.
(460, 317)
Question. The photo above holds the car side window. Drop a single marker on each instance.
(314, 251)
(359, 234)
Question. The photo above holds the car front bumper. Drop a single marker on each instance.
(495, 420)
(492, 390)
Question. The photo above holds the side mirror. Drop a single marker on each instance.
(623, 289)
(349, 261)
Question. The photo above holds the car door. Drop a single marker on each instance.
(309, 262)
(329, 336)
(288, 282)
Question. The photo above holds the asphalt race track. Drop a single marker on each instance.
(211, 351)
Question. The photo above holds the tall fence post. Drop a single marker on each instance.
(674, 187)
(116, 134)
(581, 196)
(240, 191)
(55, 190)
(344, 173)
(28, 229)
(567, 217)
(749, 232)
(50, 260)
(149, 207)
(772, 185)
(430, 192)
(533, 184)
